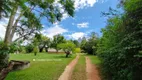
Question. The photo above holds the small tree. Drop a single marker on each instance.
(35, 51)
(67, 47)
(36, 41)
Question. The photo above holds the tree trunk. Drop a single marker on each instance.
(41, 49)
(56, 50)
(46, 49)
(9, 26)
(35, 53)
(5, 56)
(67, 55)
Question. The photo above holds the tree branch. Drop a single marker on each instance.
(16, 22)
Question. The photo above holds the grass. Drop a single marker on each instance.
(50, 69)
(79, 72)
(95, 60)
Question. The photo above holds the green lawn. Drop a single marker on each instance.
(50, 69)
(79, 72)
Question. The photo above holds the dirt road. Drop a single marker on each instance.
(91, 69)
(68, 70)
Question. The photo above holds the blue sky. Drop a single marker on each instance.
(87, 19)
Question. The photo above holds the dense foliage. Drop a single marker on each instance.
(29, 48)
(121, 43)
(4, 51)
(89, 46)
(16, 47)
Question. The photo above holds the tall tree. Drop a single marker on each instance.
(76, 42)
(82, 44)
(30, 13)
(90, 45)
(44, 43)
(57, 39)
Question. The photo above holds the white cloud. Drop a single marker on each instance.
(56, 29)
(65, 16)
(83, 25)
(80, 4)
(77, 35)
(3, 24)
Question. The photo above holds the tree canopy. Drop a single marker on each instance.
(67, 46)
(57, 39)
(89, 46)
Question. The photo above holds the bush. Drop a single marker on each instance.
(4, 55)
(29, 48)
(4, 49)
(15, 46)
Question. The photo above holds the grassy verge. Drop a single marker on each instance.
(95, 60)
(79, 72)
(50, 69)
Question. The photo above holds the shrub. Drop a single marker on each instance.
(29, 48)
(4, 55)
(36, 50)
